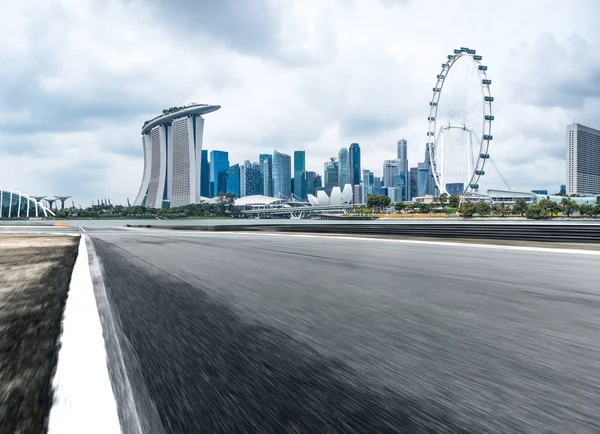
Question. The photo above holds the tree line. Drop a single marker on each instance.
(222, 208)
(545, 208)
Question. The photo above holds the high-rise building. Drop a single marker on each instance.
(252, 181)
(402, 146)
(368, 179)
(343, 167)
(172, 157)
(233, 180)
(309, 181)
(354, 164)
(422, 179)
(402, 149)
(299, 169)
(400, 186)
(563, 189)
(357, 197)
(282, 174)
(426, 185)
(331, 175)
(318, 183)
(455, 188)
(412, 181)
(378, 186)
(266, 166)
(204, 175)
(583, 160)
(390, 169)
(219, 163)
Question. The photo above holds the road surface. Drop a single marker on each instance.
(272, 333)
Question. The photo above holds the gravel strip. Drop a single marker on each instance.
(35, 272)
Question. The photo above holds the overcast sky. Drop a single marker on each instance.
(79, 77)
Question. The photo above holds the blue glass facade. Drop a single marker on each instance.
(344, 167)
(266, 166)
(219, 163)
(412, 183)
(354, 164)
(233, 180)
(204, 175)
(282, 175)
(331, 175)
(299, 169)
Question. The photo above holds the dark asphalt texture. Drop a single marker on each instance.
(248, 333)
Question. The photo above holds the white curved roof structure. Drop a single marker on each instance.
(13, 204)
(257, 199)
(347, 194)
(313, 200)
(336, 196)
(322, 198)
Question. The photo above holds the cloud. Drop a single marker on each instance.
(79, 77)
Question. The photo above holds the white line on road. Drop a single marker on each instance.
(81, 229)
(438, 243)
(83, 398)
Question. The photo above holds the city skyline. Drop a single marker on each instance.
(72, 116)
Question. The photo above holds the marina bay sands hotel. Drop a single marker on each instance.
(172, 156)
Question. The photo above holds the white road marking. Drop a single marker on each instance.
(81, 229)
(84, 401)
(398, 241)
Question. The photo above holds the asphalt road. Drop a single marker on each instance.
(271, 334)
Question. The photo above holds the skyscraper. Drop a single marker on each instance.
(422, 179)
(299, 169)
(368, 180)
(204, 175)
(402, 149)
(253, 179)
(354, 164)
(331, 171)
(309, 181)
(233, 180)
(318, 182)
(219, 163)
(266, 166)
(412, 181)
(282, 174)
(583, 160)
(343, 167)
(402, 145)
(172, 157)
(390, 169)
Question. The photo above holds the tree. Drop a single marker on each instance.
(423, 207)
(520, 207)
(500, 209)
(482, 208)
(400, 206)
(587, 210)
(444, 198)
(467, 209)
(534, 212)
(569, 206)
(548, 208)
(454, 201)
(376, 201)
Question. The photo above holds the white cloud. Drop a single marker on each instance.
(79, 77)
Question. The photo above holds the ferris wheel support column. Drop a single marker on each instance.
(442, 156)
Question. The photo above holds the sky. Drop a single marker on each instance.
(79, 77)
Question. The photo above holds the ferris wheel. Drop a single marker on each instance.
(460, 123)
